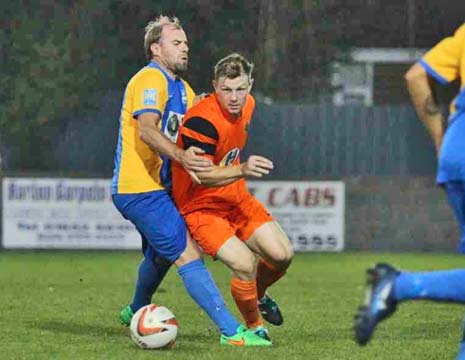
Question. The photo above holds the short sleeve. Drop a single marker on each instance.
(150, 92)
(442, 62)
(199, 132)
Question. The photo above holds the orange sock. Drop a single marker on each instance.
(267, 275)
(244, 293)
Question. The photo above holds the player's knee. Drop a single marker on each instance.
(283, 253)
(186, 257)
(289, 252)
(190, 253)
(289, 257)
(282, 261)
(244, 267)
(282, 257)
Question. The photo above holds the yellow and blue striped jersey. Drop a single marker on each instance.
(137, 168)
(445, 62)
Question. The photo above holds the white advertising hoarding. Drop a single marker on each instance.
(63, 214)
(310, 212)
(47, 213)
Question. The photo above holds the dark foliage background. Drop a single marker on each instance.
(60, 61)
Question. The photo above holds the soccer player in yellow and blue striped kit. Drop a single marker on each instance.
(155, 101)
(387, 286)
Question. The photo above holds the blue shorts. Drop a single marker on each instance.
(451, 165)
(155, 216)
(456, 195)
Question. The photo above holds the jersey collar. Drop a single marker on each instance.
(156, 65)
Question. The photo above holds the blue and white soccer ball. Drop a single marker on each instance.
(154, 327)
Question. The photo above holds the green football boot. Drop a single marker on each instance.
(126, 315)
(244, 337)
(262, 332)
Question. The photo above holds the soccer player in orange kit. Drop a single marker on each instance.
(226, 221)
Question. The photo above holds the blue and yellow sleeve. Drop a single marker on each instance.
(442, 62)
(150, 92)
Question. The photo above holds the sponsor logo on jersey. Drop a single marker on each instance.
(173, 124)
(230, 157)
(150, 97)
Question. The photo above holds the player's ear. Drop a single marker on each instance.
(155, 49)
(250, 84)
(214, 84)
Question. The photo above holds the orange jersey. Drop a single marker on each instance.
(208, 127)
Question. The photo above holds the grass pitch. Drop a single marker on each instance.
(64, 305)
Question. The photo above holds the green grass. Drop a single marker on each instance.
(64, 305)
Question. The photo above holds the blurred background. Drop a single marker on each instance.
(328, 81)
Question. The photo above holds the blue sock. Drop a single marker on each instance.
(201, 287)
(446, 286)
(150, 277)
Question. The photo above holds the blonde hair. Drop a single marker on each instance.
(153, 31)
(233, 66)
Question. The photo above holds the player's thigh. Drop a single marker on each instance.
(271, 243)
(456, 195)
(249, 215)
(260, 231)
(236, 255)
(157, 219)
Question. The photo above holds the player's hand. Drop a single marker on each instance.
(194, 177)
(192, 162)
(199, 97)
(256, 166)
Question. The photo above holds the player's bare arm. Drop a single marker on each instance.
(255, 167)
(150, 134)
(421, 92)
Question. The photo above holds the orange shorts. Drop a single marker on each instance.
(212, 228)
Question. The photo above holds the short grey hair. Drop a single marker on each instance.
(153, 31)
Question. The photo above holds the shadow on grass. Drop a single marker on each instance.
(88, 330)
(434, 330)
(186, 341)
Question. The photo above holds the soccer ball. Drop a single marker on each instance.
(154, 327)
